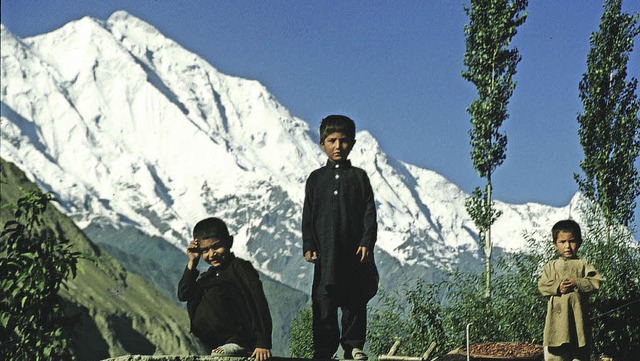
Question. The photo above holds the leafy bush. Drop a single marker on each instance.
(440, 312)
(34, 264)
(413, 316)
(301, 332)
(616, 306)
(515, 312)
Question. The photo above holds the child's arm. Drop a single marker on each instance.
(370, 225)
(193, 251)
(309, 249)
(262, 321)
(190, 275)
(549, 284)
(590, 282)
(587, 284)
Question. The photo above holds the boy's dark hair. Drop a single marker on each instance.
(567, 225)
(337, 123)
(212, 228)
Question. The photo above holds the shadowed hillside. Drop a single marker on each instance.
(114, 312)
(114, 300)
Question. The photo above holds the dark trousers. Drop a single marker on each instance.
(326, 333)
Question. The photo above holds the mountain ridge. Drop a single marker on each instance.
(128, 128)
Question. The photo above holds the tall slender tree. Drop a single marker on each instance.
(491, 66)
(609, 125)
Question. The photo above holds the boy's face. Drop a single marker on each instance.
(337, 146)
(567, 245)
(213, 251)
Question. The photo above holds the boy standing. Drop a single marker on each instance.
(567, 281)
(227, 306)
(339, 231)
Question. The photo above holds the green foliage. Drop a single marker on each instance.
(34, 263)
(301, 345)
(482, 211)
(491, 66)
(516, 310)
(609, 125)
(440, 312)
(616, 306)
(413, 316)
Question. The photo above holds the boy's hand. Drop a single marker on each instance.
(364, 253)
(311, 256)
(193, 251)
(261, 354)
(567, 285)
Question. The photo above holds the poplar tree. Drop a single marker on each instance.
(609, 124)
(609, 135)
(491, 66)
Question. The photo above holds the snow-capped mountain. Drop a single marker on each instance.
(130, 129)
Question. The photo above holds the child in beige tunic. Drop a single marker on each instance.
(567, 281)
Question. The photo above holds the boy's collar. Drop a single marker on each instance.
(331, 164)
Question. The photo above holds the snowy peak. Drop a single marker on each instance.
(129, 128)
(212, 100)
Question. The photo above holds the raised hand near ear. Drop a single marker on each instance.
(193, 251)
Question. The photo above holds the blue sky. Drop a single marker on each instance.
(393, 66)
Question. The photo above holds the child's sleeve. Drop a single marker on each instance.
(370, 234)
(262, 324)
(308, 241)
(187, 284)
(591, 280)
(549, 282)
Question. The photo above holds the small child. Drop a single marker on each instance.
(567, 281)
(227, 306)
(339, 229)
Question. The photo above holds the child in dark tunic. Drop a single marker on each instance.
(227, 306)
(339, 231)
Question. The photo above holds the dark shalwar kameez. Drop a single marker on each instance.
(227, 305)
(339, 216)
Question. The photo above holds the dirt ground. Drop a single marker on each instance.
(495, 351)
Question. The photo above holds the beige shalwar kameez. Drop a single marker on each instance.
(567, 322)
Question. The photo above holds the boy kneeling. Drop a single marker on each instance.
(227, 306)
